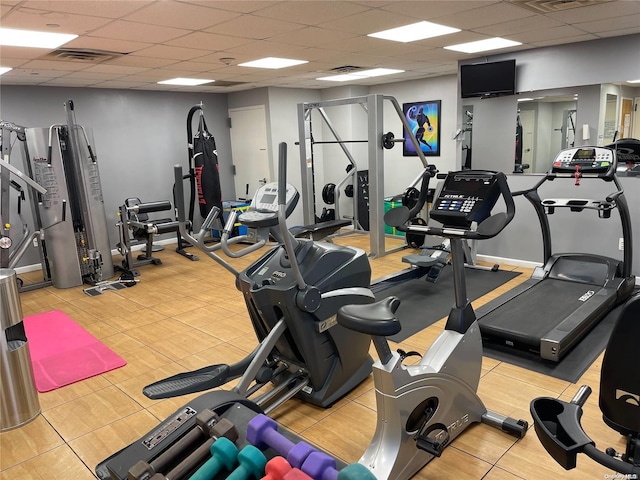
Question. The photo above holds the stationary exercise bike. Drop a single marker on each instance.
(422, 408)
(557, 423)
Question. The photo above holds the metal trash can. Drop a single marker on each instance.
(19, 399)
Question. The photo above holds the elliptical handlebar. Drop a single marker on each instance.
(289, 241)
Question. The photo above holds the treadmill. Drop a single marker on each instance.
(554, 309)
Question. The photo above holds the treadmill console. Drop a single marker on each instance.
(263, 211)
(586, 160)
(466, 197)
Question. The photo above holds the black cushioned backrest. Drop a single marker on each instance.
(620, 374)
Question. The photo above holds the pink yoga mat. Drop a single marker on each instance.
(62, 352)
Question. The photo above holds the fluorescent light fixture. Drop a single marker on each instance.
(375, 72)
(526, 99)
(633, 81)
(4, 70)
(31, 38)
(483, 45)
(189, 82)
(414, 32)
(273, 62)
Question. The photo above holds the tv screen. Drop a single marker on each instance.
(488, 79)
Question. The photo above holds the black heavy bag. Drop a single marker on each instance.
(207, 171)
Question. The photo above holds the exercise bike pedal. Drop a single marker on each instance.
(431, 445)
(189, 382)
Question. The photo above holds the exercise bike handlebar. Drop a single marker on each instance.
(488, 228)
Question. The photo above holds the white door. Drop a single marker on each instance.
(249, 149)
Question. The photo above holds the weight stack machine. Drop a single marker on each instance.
(72, 210)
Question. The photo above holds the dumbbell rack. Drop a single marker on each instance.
(178, 427)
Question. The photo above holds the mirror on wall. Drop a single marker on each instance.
(544, 126)
(610, 119)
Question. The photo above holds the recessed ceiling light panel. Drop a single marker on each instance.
(414, 32)
(189, 82)
(273, 62)
(483, 45)
(33, 39)
(4, 70)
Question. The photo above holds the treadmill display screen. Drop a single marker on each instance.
(583, 153)
(589, 160)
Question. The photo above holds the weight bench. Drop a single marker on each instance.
(134, 216)
(319, 231)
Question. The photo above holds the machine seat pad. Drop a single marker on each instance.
(377, 319)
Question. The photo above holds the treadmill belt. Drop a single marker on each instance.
(533, 313)
(423, 303)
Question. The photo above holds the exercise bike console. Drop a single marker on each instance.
(466, 198)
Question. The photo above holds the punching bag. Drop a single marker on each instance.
(207, 171)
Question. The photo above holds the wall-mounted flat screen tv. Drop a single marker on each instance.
(488, 79)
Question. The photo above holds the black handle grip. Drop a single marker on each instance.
(282, 173)
(64, 210)
(178, 192)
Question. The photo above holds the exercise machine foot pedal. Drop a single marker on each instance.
(431, 445)
(189, 382)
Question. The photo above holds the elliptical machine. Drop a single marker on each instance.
(422, 408)
(292, 294)
(557, 423)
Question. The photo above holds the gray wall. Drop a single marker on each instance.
(138, 135)
(570, 231)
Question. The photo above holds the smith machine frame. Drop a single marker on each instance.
(373, 106)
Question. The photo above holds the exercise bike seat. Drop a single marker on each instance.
(377, 319)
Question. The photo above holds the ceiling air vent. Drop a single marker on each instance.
(82, 55)
(346, 69)
(551, 6)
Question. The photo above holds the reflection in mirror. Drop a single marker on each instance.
(547, 125)
(610, 120)
(467, 132)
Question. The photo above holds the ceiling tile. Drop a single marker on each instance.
(138, 32)
(609, 24)
(311, 12)
(102, 8)
(107, 44)
(488, 15)
(254, 27)
(56, 65)
(209, 41)
(314, 36)
(138, 61)
(169, 52)
(181, 15)
(55, 22)
(369, 22)
(239, 6)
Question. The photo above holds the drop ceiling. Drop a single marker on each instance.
(136, 43)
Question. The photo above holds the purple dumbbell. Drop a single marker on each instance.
(321, 466)
(262, 431)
